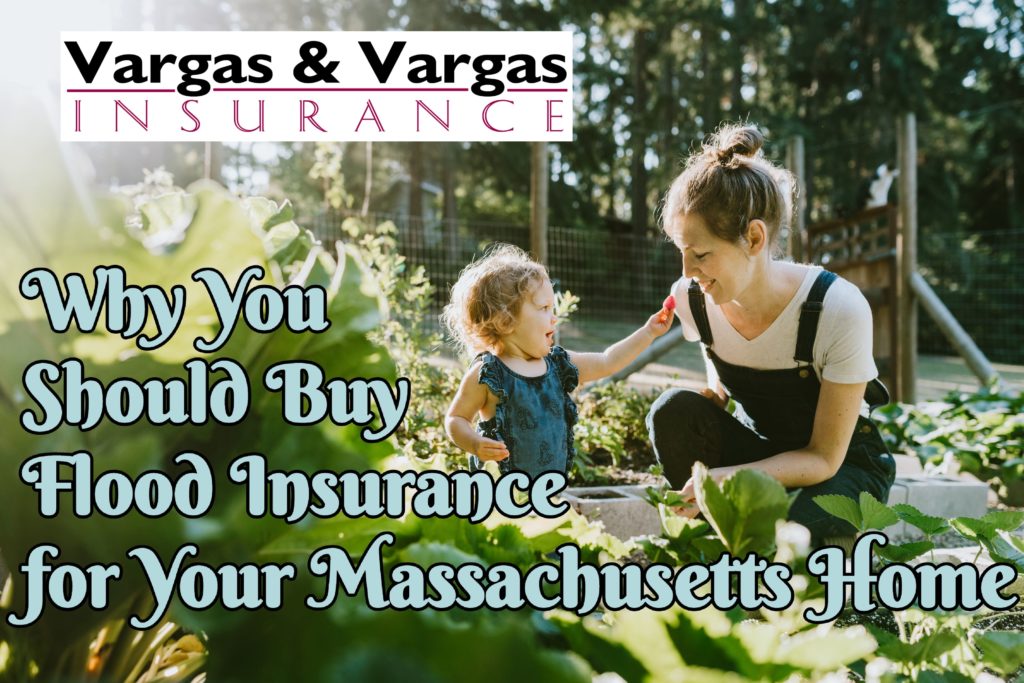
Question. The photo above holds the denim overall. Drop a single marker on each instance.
(534, 416)
(779, 406)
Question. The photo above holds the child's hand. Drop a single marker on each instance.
(489, 449)
(661, 322)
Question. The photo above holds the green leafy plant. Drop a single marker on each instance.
(412, 337)
(293, 643)
(612, 425)
(948, 642)
(744, 510)
(983, 432)
(868, 513)
(202, 227)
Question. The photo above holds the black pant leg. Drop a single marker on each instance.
(686, 427)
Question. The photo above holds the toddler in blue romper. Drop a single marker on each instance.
(534, 416)
(519, 384)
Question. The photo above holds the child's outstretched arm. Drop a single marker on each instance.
(471, 398)
(620, 354)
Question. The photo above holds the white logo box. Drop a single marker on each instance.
(465, 104)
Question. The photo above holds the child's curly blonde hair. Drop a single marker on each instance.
(488, 296)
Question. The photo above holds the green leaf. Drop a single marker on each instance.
(825, 648)
(709, 548)
(165, 218)
(875, 514)
(712, 502)
(843, 507)
(944, 676)
(903, 552)
(425, 554)
(678, 528)
(658, 496)
(760, 502)
(507, 544)
(1001, 650)
(972, 529)
(744, 512)
(284, 214)
(282, 239)
(535, 526)
(1004, 547)
(928, 524)
(636, 645)
(1006, 520)
(752, 492)
(700, 648)
(353, 533)
(921, 651)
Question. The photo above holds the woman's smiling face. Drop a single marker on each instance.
(723, 269)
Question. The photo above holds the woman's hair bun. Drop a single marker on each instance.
(729, 183)
(731, 141)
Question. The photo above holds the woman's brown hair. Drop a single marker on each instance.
(730, 183)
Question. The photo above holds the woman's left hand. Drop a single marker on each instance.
(689, 507)
(688, 494)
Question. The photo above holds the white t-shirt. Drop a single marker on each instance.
(842, 347)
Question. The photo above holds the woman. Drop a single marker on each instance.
(789, 343)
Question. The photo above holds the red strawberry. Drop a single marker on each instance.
(669, 303)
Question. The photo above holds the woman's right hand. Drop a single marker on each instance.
(716, 398)
(489, 449)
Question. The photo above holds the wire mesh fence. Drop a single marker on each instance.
(621, 277)
(981, 279)
(618, 277)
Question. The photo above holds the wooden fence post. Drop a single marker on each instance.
(798, 229)
(539, 178)
(907, 257)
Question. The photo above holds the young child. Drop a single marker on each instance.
(519, 384)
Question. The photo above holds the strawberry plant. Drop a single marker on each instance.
(983, 432)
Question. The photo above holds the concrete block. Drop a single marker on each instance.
(623, 510)
(907, 464)
(937, 496)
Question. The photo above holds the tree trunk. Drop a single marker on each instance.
(213, 161)
(451, 226)
(1011, 190)
(710, 112)
(741, 15)
(415, 218)
(669, 108)
(368, 185)
(641, 275)
(638, 189)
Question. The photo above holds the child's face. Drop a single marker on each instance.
(534, 333)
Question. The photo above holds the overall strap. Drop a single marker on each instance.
(698, 307)
(809, 314)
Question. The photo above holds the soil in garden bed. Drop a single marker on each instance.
(634, 469)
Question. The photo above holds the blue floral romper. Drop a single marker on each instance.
(534, 416)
